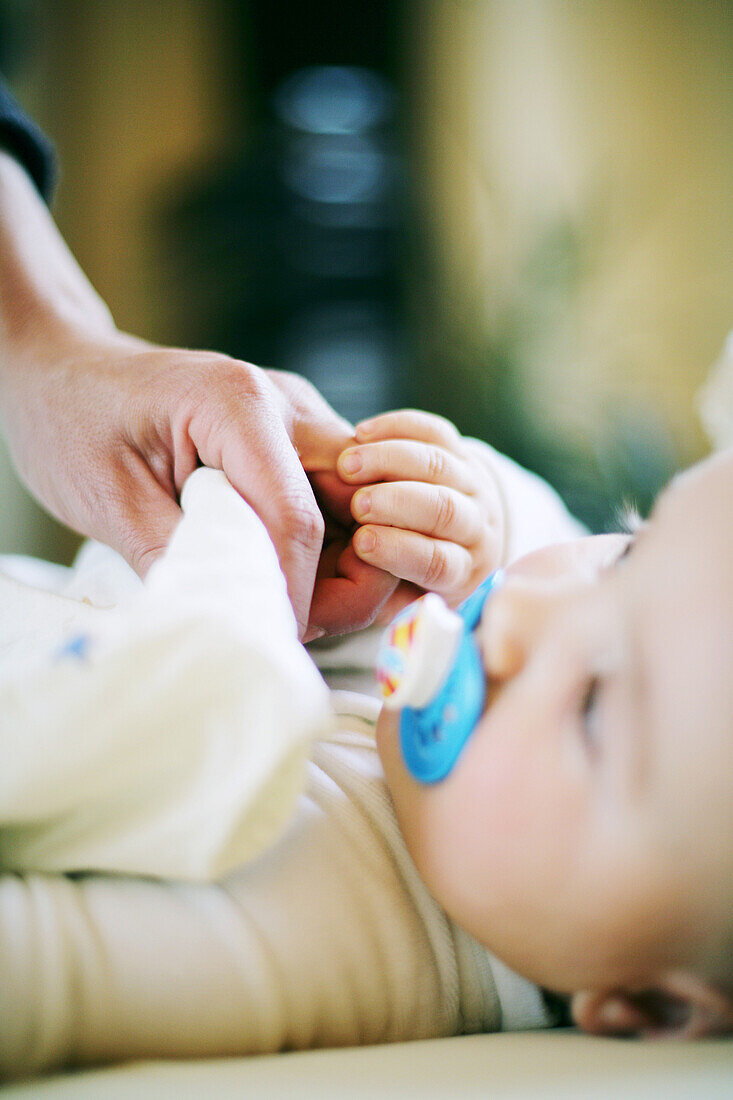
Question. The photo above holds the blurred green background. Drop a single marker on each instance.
(514, 212)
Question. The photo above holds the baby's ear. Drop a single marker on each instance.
(680, 1006)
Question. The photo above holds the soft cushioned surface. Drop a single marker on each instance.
(560, 1065)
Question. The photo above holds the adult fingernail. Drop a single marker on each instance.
(362, 504)
(366, 540)
(365, 427)
(351, 462)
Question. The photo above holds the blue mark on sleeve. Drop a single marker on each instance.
(76, 648)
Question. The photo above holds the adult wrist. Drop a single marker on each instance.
(44, 295)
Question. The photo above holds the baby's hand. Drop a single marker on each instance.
(429, 507)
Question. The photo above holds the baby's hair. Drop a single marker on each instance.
(628, 520)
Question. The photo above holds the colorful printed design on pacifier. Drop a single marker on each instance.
(430, 665)
(395, 647)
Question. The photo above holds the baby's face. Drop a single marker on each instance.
(585, 834)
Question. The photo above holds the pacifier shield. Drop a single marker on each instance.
(433, 734)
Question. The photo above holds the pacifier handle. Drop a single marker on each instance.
(430, 665)
(417, 652)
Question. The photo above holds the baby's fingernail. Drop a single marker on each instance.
(366, 427)
(350, 461)
(362, 504)
(365, 540)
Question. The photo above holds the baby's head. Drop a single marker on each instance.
(585, 834)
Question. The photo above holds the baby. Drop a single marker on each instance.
(566, 843)
(584, 834)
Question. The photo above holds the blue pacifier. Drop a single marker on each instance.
(429, 665)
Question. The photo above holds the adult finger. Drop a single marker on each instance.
(318, 432)
(429, 509)
(405, 460)
(433, 564)
(271, 479)
(249, 442)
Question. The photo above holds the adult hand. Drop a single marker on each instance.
(348, 593)
(104, 428)
(105, 432)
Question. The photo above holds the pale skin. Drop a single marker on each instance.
(104, 428)
(427, 504)
(585, 834)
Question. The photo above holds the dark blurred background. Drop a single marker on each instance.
(514, 212)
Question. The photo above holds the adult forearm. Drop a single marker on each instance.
(43, 291)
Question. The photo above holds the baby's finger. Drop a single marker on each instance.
(430, 563)
(405, 460)
(433, 510)
(409, 424)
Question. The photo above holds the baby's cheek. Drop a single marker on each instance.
(491, 794)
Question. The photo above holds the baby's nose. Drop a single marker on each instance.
(514, 618)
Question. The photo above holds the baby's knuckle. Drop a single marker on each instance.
(445, 511)
(436, 464)
(437, 567)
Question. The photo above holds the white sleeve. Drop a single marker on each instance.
(169, 737)
(534, 514)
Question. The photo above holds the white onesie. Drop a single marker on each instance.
(185, 735)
